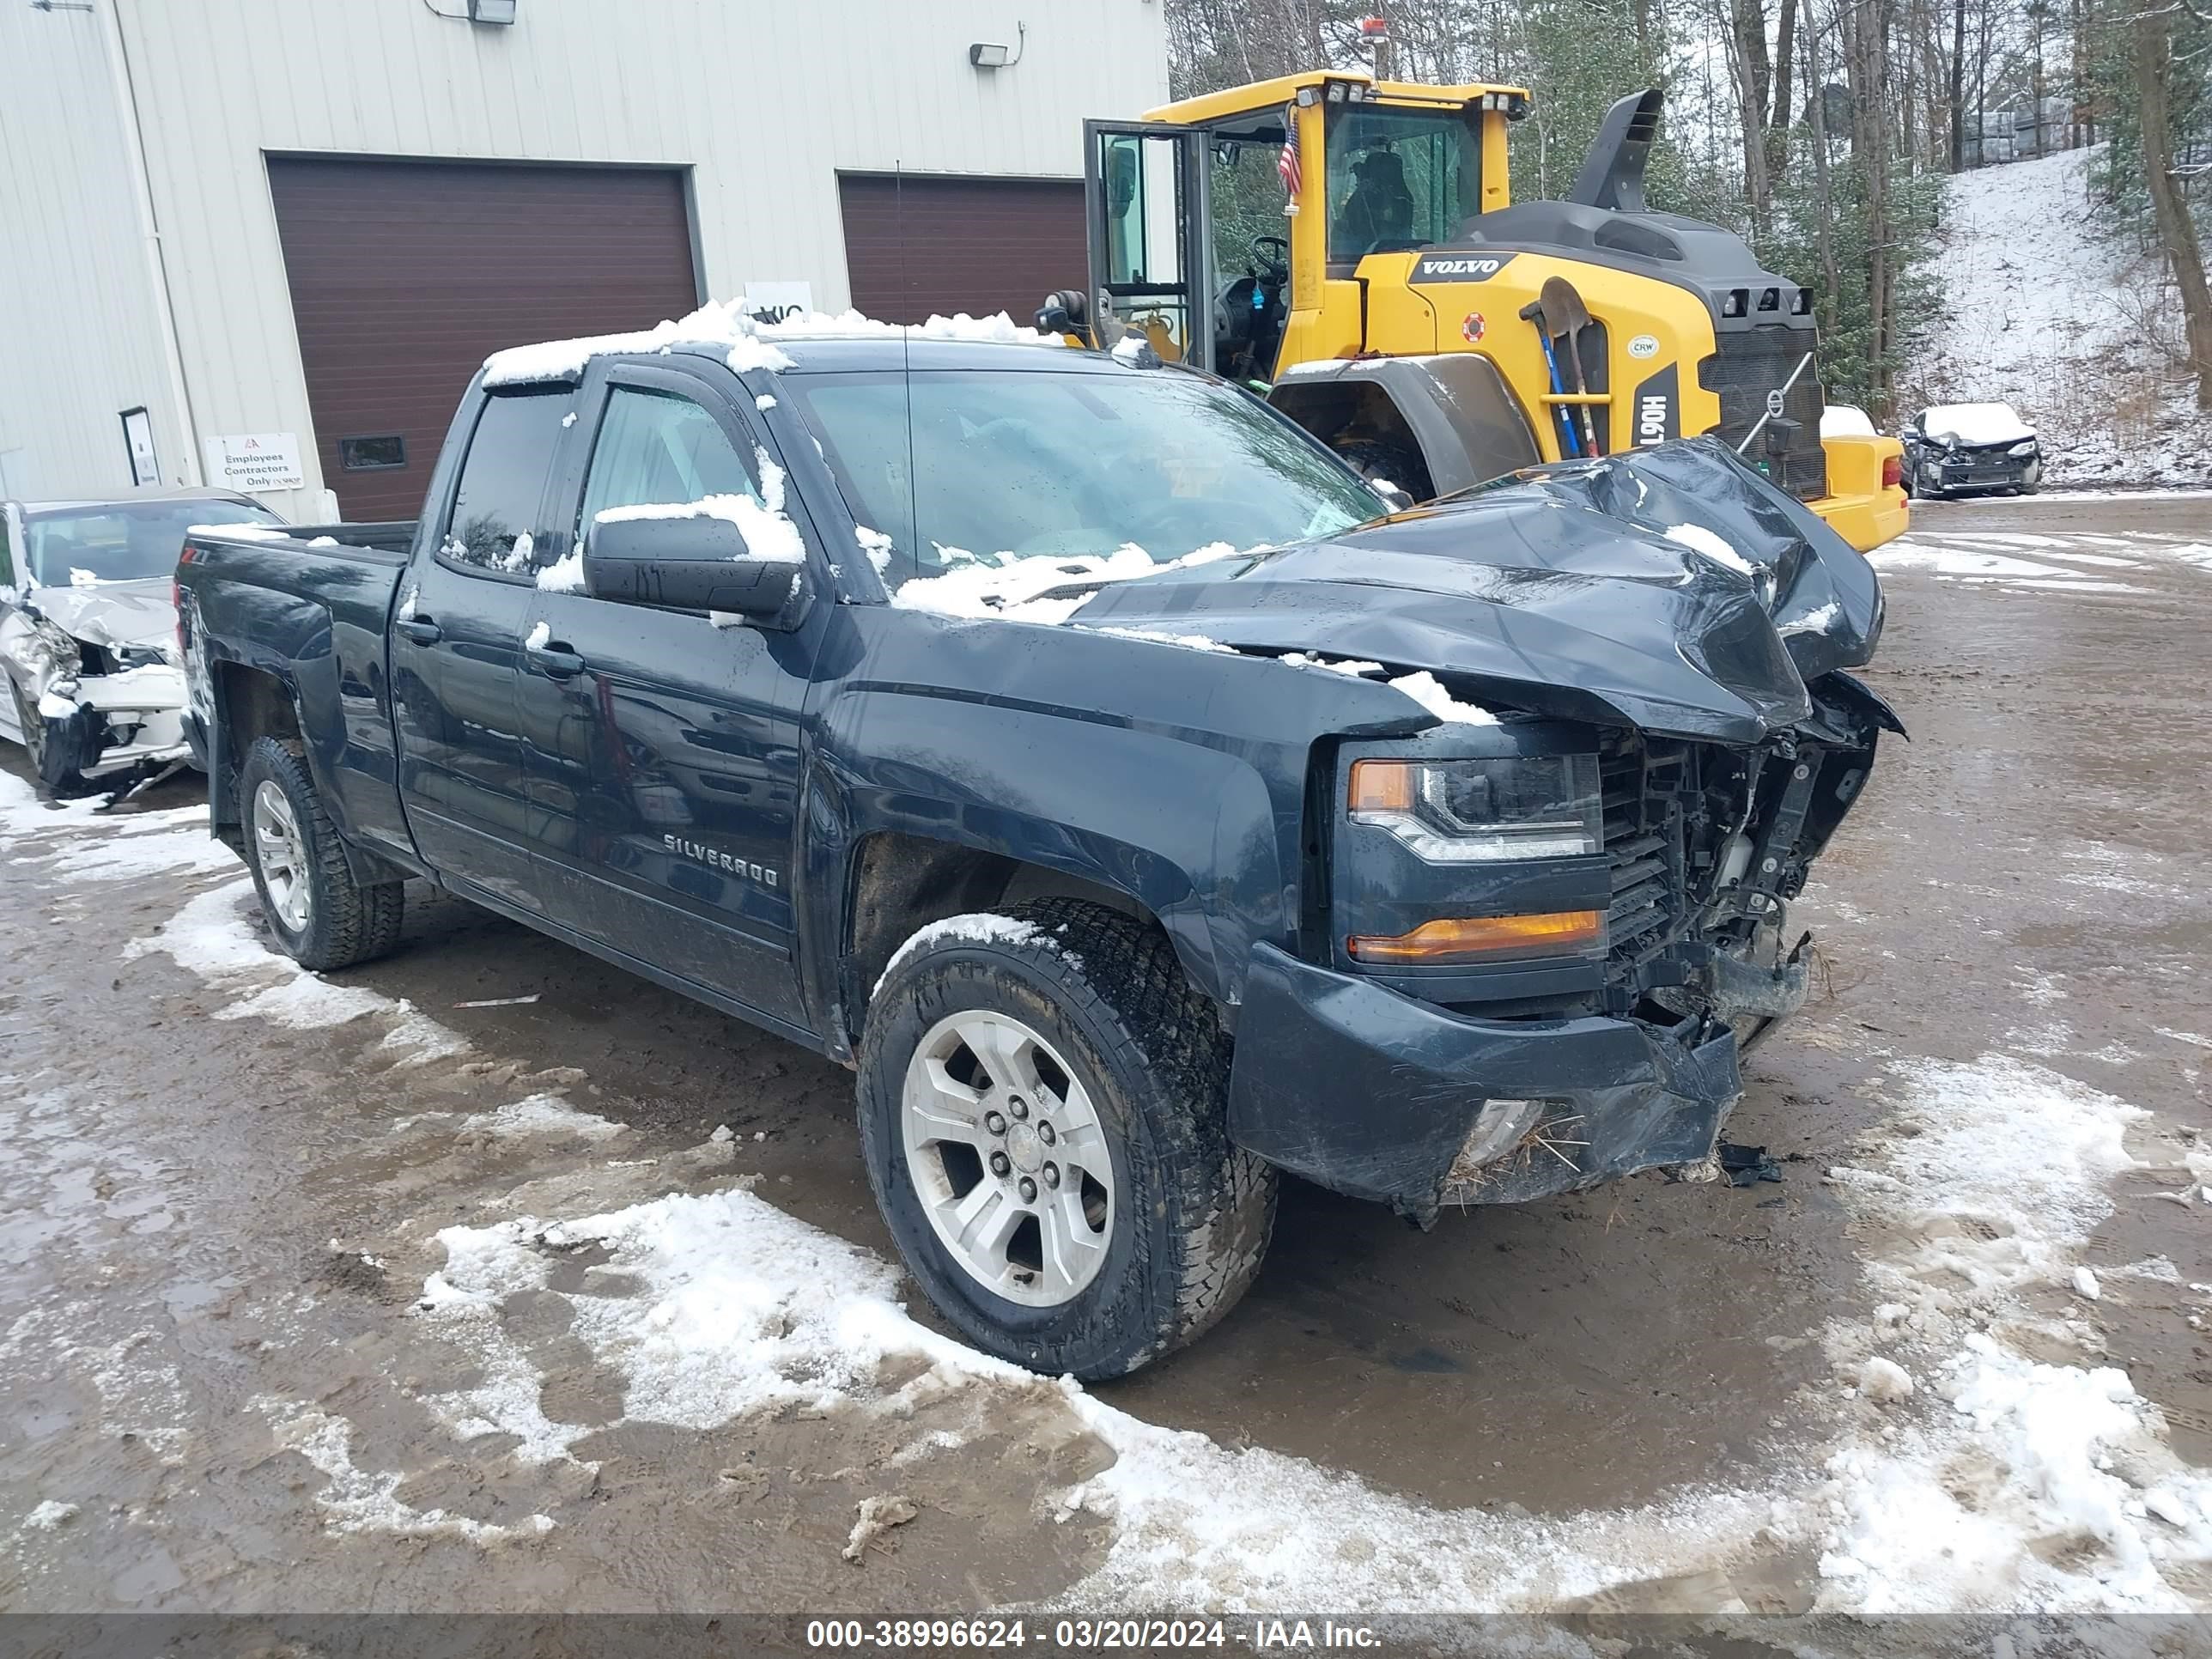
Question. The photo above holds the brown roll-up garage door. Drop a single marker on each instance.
(918, 246)
(406, 275)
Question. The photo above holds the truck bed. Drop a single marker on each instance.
(348, 571)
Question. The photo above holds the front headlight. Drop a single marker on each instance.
(1484, 811)
(2027, 448)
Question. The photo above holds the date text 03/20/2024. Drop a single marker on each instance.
(1087, 1634)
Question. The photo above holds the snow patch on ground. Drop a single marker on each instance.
(2036, 1488)
(49, 1515)
(1999, 562)
(2062, 351)
(743, 1308)
(355, 1500)
(539, 1114)
(1968, 1475)
(210, 936)
(75, 840)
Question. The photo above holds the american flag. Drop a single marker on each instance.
(1286, 164)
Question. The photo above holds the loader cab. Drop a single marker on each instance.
(1225, 228)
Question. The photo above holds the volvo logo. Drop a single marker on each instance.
(1460, 268)
(1774, 402)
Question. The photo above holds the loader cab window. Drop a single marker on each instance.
(1398, 179)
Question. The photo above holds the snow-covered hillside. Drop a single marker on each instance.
(2041, 309)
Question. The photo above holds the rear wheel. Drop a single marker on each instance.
(321, 915)
(1042, 1107)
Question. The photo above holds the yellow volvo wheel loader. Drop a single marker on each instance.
(1351, 244)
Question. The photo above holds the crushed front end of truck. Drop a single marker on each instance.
(1548, 927)
(1548, 1069)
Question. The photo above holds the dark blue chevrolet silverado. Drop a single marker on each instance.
(1073, 749)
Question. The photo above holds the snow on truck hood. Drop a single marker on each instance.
(1975, 423)
(139, 613)
(1671, 589)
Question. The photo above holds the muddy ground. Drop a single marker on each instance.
(216, 1376)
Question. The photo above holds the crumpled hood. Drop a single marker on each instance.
(110, 613)
(1672, 588)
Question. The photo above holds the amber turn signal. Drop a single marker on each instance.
(1382, 786)
(1460, 939)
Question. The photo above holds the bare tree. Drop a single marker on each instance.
(2177, 231)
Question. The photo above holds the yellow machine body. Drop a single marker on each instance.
(1666, 359)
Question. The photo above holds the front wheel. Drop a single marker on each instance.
(62, 780)
(1043, 1109)
(321, 915)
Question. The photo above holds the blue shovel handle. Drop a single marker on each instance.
(1566, 421)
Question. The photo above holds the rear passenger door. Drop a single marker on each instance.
(457, 650)
(664, 749)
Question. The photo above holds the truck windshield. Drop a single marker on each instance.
(121, 541)
(1009, 465)
(1398, 179)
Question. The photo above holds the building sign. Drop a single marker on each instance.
(138, 442)
(255, 462)
(776, 302)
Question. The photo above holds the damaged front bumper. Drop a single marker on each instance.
(96, 725)
(1377, 1094)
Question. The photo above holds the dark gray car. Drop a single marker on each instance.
(89, 625)
(1960, 448)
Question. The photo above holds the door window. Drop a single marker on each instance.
(494, 518)
(1144, 195)
(660, 448)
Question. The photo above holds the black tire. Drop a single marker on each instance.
(1193, 1212)
(1377, 458)
(64, 782)
(346, 922)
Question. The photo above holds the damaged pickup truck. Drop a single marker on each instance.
(1071, 747)
(89, 631)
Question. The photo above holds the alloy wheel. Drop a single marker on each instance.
(1008, 1158)
(282, 856)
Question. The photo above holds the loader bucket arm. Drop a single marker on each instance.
(1613, 173)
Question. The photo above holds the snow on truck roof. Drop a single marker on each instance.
(747, 342)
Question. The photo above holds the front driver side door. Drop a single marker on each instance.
(664, 748)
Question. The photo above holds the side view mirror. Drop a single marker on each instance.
(690, 563)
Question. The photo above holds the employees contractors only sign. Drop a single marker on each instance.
(255, 461)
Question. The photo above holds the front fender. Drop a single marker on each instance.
(1075, 797)
(1106, 759)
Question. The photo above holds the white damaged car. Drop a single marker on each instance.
(89, 631)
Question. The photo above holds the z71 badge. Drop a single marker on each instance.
(1460, 267)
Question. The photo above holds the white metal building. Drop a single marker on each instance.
(270, 239)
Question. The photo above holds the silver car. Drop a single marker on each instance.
(89, 631)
